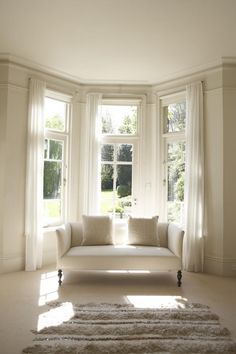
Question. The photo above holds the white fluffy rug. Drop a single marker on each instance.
(125, 329)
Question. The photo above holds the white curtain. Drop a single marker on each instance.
(34, 176)
(90, 167)
(194, 180)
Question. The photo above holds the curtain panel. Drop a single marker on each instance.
(90, 166)
(194, 180)
(34, 176)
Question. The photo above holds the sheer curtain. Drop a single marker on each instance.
(34, 176)
(194, 180)
(90, 176)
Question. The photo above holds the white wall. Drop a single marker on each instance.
(229, 168)
(213, 113)
(220, 142)
(13, 148)
(220, 162)
(3, 114)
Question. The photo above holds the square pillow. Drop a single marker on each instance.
(143, 231)
(97, 230)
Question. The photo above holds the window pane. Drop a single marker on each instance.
(124, 152)
(52, 210)
(175, 116)
(55, 113)
(117, 119)
(107, 152)
(52, 180)
(124, 188)
(55, 150)
(124, 180)
(175, 179)
(46, 148)
(107, 197)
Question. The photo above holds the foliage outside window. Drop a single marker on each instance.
(174, 119)
(54, 160)
(119, 131)
(119, 119)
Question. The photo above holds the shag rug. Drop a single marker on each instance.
(125, 329)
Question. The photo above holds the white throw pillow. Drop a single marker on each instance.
(97, 230)
(143, 231)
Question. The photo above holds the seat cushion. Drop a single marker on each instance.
(119, 257)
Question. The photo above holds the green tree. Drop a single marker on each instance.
(107, 152)
(129, 125)
(176, 169)
(107, 127)
(124, 180)
(54, 122)
(52, 179)
(176, 116)
(52, 169)
(124, 152)
(107, 177)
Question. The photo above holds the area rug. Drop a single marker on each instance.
(125, 329)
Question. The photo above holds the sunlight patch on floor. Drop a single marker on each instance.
(56, 316)
(129, 271)
(48, 288)
(164, 301)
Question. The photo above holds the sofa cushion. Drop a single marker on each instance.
(97, 230)
(120, 257)
(143, 231)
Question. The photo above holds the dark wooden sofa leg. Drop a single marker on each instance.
(59, 276)
(179, 277)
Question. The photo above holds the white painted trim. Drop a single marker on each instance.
(228, 61)
(10, 85)
(185, 74)
(178, 75)
(12, 263)
(220, 266)
(29, 64)
(220, 259)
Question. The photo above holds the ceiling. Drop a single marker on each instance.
(119, 41)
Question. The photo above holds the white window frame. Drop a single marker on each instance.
(129, 139)
(168, 137)
(64, 136)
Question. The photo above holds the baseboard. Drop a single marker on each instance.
(12, 264)
(220, 266)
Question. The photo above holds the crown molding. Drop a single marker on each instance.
(178, 76)
(31, 65)
(228, 61)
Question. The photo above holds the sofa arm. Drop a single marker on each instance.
(63, 239)
(175, 239)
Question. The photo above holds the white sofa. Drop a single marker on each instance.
(72, 255)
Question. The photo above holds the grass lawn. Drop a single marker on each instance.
(52, 208)
(107, 198)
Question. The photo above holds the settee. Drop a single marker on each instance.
(163, 252)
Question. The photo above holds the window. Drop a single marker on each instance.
(174, 119)
(55, 160)
(119, 157)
